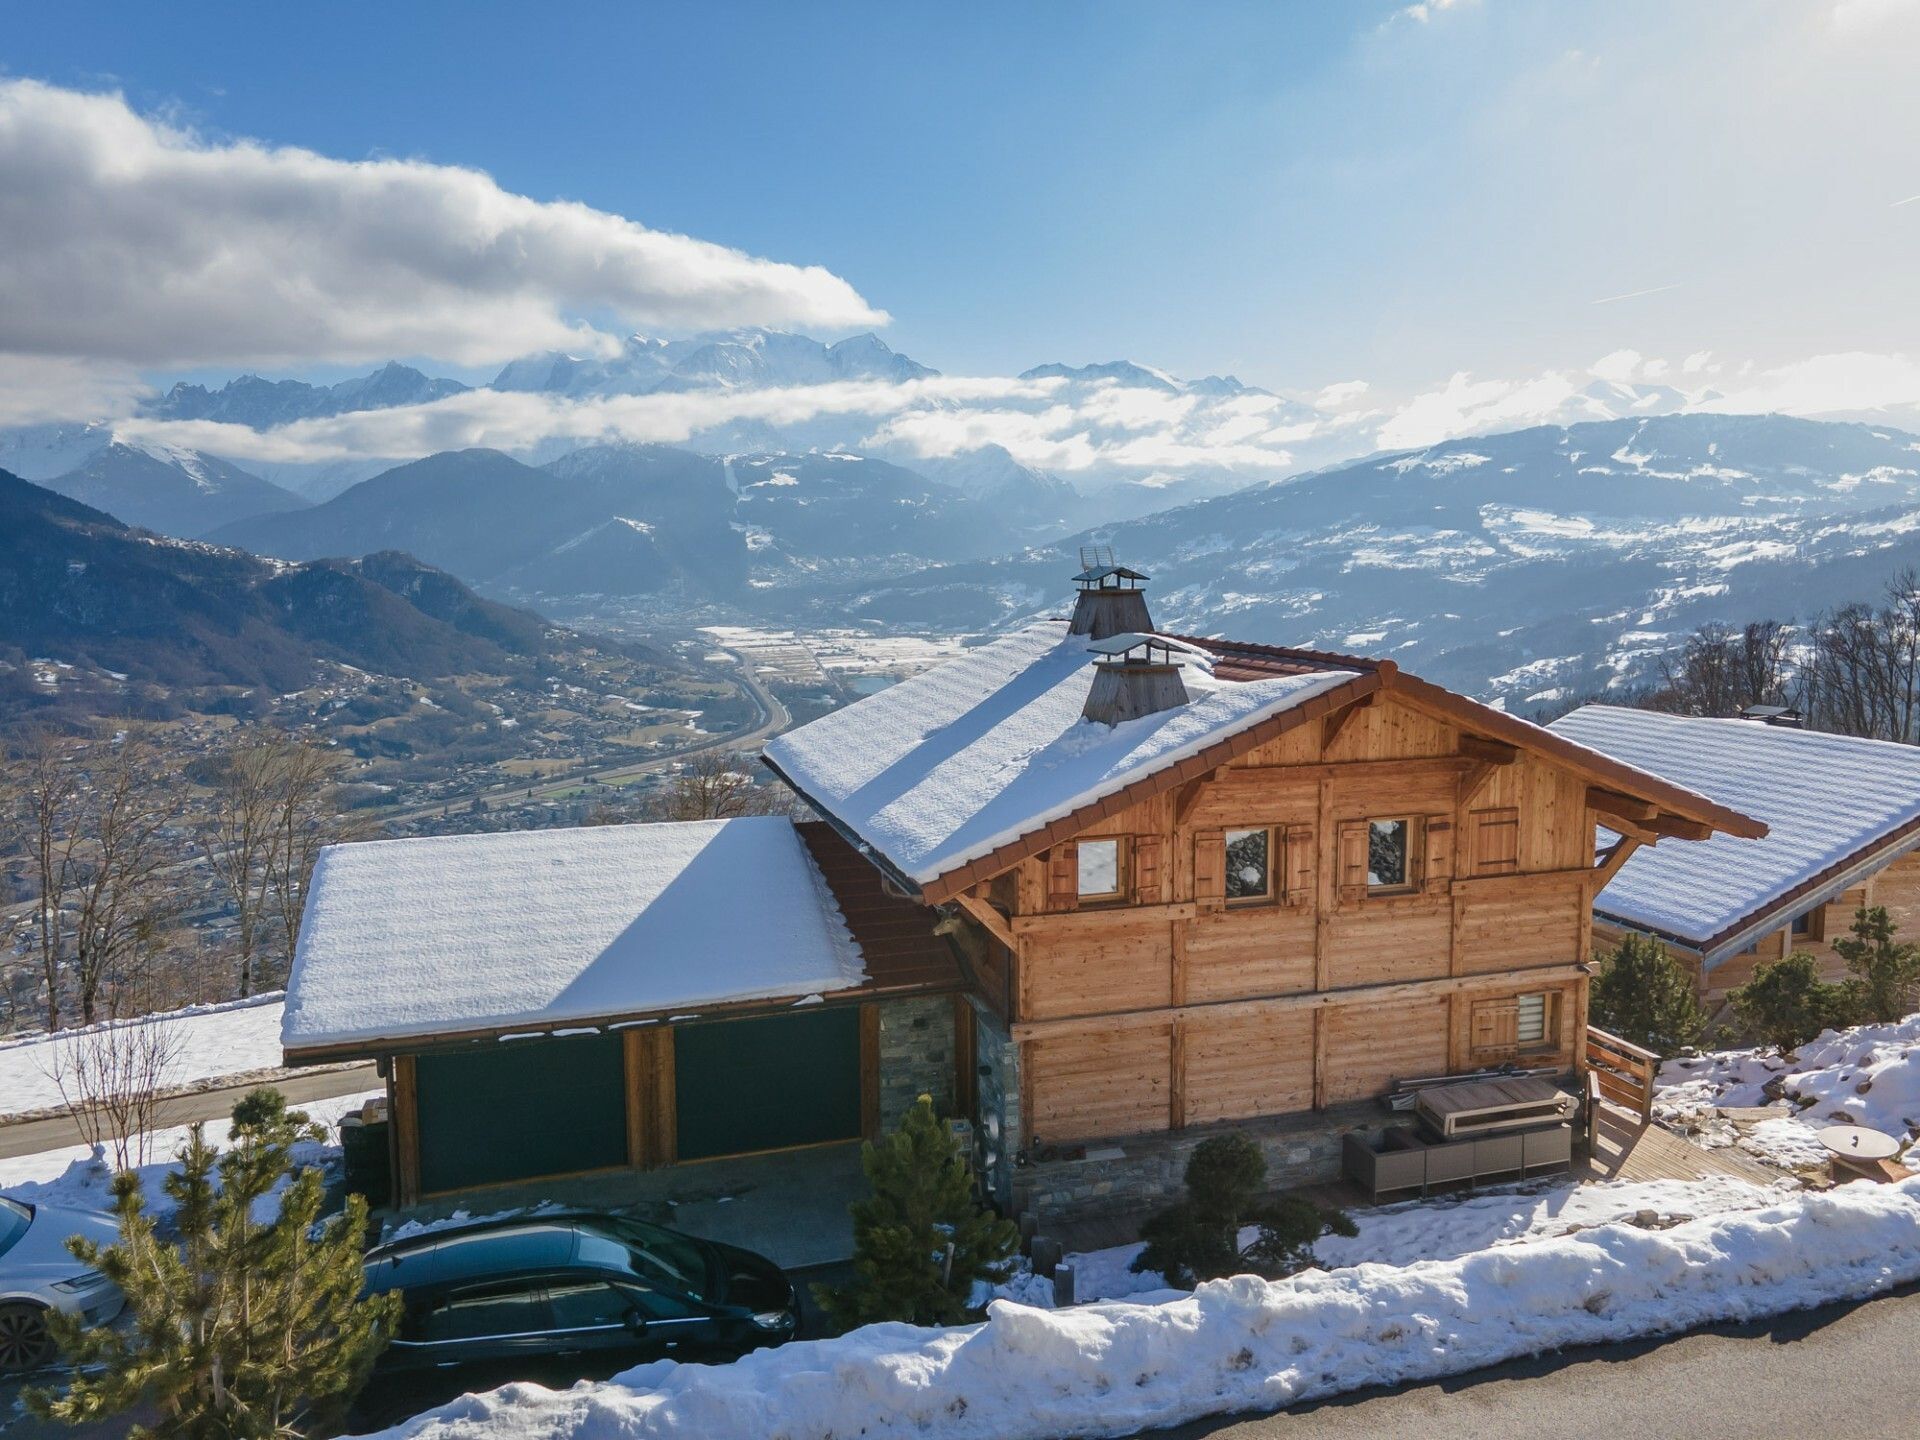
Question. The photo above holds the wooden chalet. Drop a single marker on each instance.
(1263, 895)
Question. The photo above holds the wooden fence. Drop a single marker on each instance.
(1624, 1071)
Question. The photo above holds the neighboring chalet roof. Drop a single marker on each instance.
(961, 771)
(1832, 803)
(478, 936)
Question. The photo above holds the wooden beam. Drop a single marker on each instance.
(1488, 752)
(966, 1074)
(634, 1061)
(1338, 722)
(1610, 863)
(988, 918)
(1188, 796)
(1627, 807)
(1681, 829)
(1471, 782)
(1177, 1078)
(1311, 1000)
(406, 1130)
(870, 1072)
(1116, 917)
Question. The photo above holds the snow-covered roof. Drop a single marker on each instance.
(1825, 798)
(542, 928)
(949, 765)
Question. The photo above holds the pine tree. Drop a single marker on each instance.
(248, 1328)
(1644, 995)
(1886, 983)
(920, 1240)
(1786, 1003)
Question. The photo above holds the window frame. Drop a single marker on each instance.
(1809, 925)
(1272, 892)
(1122, 877)
(1547, 1039)
(1406, 884)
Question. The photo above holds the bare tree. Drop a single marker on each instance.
(119, 895)
(271, 812)
(48, 779)
(1722, 671)
(715, 785)
(111, 1078)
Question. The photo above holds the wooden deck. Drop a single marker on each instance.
(1625, 1147)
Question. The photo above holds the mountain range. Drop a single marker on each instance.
(138, 610)
(630, 520)
(1527, 568)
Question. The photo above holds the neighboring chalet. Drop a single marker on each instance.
(1844, 831)
(1096, 889)
(1207, 882)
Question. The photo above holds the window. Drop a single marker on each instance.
(515, 1308)
(1531, 1023)
(1812, 925)
(1249, 865)
(1100, 862)
(587, 1305)
(1387, 854)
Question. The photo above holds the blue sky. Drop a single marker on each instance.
(1298, 194)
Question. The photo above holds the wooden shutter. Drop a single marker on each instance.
(1353, 860)
(1493, 841)
(1296, 864)
(1496, 1029)
(1210, 868)
(1063, 877)
(1149, 876)
(1437, 866)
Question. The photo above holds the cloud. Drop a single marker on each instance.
(1849, 382)
(1465, 406)
(33, 388)
(127, 241)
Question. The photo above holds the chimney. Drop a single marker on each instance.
(1109, 602)
(1135, 675)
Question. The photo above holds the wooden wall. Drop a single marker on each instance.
(1174, 1007)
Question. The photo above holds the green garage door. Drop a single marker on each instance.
(742, 1085)
(521, 1109)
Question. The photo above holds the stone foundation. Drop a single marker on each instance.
(916, 1056)
(1143, 1172)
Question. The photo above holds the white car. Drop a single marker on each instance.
(38, 1274)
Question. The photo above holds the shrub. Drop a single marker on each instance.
(246, 1329)
(1644, 995)
(1786, 1003)
(1886, 974)
(920, 1240)
(1198, 1238)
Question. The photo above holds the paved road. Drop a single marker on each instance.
(33, 1136)
(1844, 1371)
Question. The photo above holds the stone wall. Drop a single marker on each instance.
(916, 1056)
(1136, 1175)
(997, 1132)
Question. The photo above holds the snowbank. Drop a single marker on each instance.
(1867, 1075)
(233, 1038)
(1240, 1344)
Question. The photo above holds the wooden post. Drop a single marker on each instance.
(406, 1130)
(966, 1062)
(870, 1071)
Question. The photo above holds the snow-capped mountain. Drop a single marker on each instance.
(752, 358)
(1529, 567)
(176, 492)
(252, 401)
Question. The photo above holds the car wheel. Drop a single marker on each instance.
(25, 1341)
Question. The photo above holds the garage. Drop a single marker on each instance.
(520, 1109)
(772, 1083)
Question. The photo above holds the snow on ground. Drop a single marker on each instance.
(1866, 1075)
(1239, 1344)
(79, 1179)
(1440, 1229)
(232, 1038)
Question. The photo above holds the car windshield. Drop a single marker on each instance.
(658, 1259)
(14, 1219)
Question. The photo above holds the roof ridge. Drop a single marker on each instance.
(1331, 658)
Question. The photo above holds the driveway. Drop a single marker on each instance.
(1843, 1370)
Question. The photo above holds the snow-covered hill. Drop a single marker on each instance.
(1528, 567)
